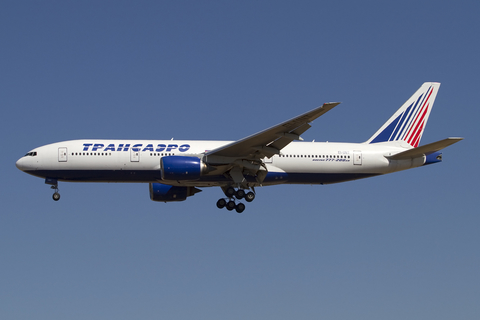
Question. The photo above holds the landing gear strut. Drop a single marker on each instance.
(56, 195)
(233, 194)
(54, 183)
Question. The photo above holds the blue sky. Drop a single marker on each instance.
(393, 247)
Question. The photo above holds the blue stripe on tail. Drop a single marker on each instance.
(387, 133)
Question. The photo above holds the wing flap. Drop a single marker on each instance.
(424, 150)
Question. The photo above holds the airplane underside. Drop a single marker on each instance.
(144, 176)
(168, 191)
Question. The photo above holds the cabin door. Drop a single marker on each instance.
(357, 158)
(62, 154)
(134, 155)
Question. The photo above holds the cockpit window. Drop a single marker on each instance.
(31, 154)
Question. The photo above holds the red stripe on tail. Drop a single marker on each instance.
(418, 127)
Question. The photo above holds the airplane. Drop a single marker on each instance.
(176, 169)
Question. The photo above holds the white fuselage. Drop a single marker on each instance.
(139, 161)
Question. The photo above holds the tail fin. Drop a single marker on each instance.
(408, 123)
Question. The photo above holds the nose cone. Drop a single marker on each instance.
(25, 164)
(21, 164)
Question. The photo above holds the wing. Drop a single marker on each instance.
(270, 141)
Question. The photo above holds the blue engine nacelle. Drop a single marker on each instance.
(181, 168)
(166, 193)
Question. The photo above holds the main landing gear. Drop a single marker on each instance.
(233, 194)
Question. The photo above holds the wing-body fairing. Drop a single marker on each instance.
(243, 158)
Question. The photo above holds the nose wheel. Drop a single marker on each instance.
(54, 185)
(56, 195)
(233, 194)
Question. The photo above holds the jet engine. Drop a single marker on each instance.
(182, 168)
(166, 193)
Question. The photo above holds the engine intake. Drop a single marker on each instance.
(166, 193)
(182, 168)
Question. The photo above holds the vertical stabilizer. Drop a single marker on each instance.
(408, 123)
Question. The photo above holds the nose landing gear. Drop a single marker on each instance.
(54, 183)
(56, 195)
(233, 194)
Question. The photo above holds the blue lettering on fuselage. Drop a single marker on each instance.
(136, 147)
(111, 147)
(125, 148)
(97, 146)
(171, 147)
(149, 147)
(184, 147)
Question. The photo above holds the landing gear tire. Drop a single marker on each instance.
(230, 205)
(240, 207)
(230, 202)
(56, 196)
(240, 194)
(221, 203)
(230, 192)
(249, 196)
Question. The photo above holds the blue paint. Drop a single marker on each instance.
(137, 147)
(433, 158)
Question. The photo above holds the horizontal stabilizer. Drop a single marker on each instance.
(424, 150)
